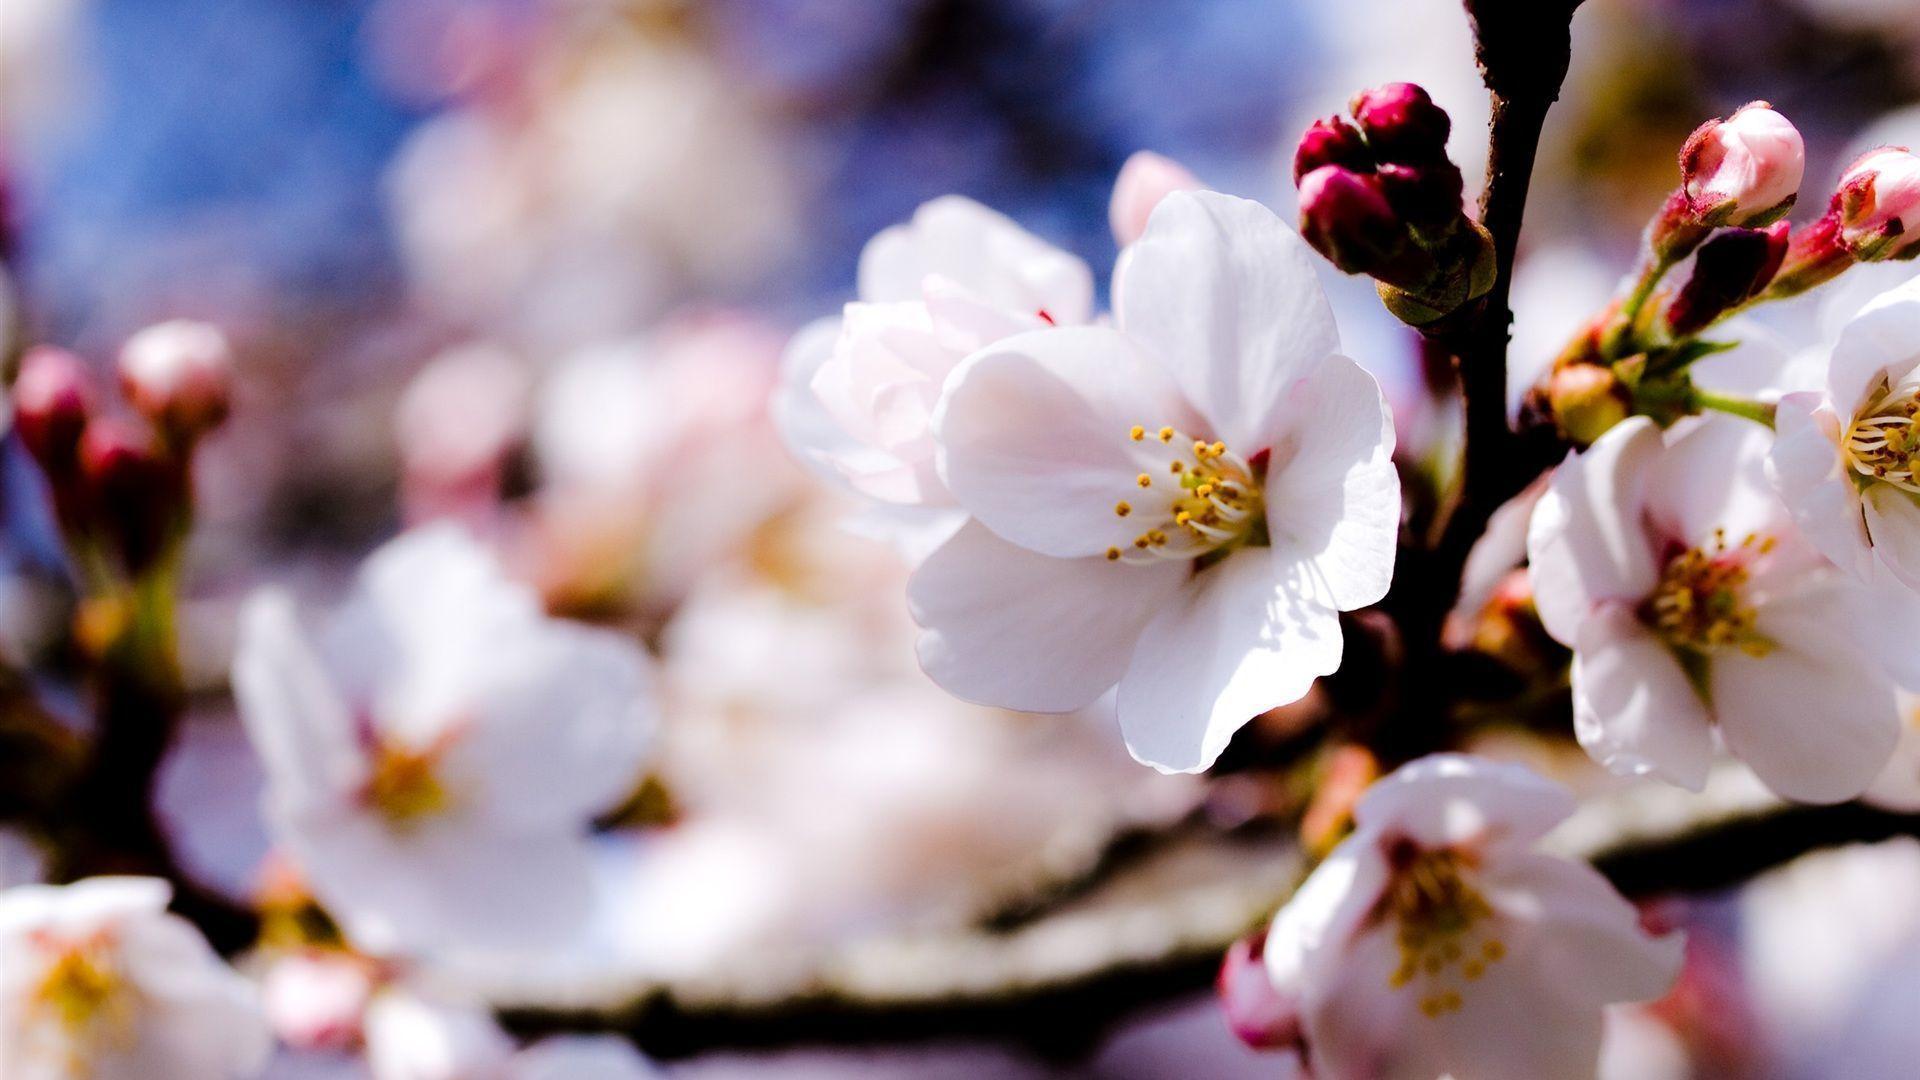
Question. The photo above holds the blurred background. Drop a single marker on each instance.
(531, 264)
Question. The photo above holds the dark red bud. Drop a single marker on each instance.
(1259, 1013)
(1346, 218)
(1425, 196)
(52, 399)
(134, 489)
(1331, 141)
(1402, 124)
(1729, 269)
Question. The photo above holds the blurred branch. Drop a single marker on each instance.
(1152, 931)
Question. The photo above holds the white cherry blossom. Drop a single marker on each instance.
(1693, 606)
(99, 982)
(1180, 506)
(859, 391)
(435, 755)
(1434, 941)
(1847, 458)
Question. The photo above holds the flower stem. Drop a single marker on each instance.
(1757, 411)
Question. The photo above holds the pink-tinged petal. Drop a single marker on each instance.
(1512, 1022)
(1586, 543)
(1815, 717)
(1034, 437)
(1448, 800)
(1881, 342)
(1227, 296)
(1589, 942)
(1333, 494)
(1244, 636)
(1634, 709)
(293, 713)
(1144, 181)
(1893, 520)
(1713, 477)
(983, 252)
(1002, 625)
(1807, 470)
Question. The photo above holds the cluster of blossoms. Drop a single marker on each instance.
(1178, 504)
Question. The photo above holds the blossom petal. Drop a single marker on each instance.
(1807, 470)
(805, 424)
(1814, 717)
(1882, 341)
(1009, 627)
(1311, 931)
(1588, 938)
(1034, 439)
(568, 720)
(1634, 709)
(1893, 519)
(1586, 544)
(1227, 294)
(1443, 800)
(296, 721)
(445, 886)
(1712, 479)
(982, 251)
(1333, 494)
(1242, 637)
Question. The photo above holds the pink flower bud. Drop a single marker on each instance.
(1331, 141)
(316, 1001)
(135, 491)
(1732, 267)
(1744, 170)
(1402, 124)
(1346, 218)
(52, 399)
(1879, 205)
(1259, 1014)
(1425, 196)
(1144, 180)
(178, 374)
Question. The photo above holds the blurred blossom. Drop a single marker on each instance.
(657, 459)
(411, 1038)
(21, 860)
(98, 981)
(623, 170)
(1144, 180)
(38, 63)
(455, 424)
(315, 1000)
(436, 754)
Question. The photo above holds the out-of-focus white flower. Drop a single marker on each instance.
(1847, 461)
(316, 1000)
(1744, 170)
(1434, 941)
(99, 982)
(410, 1038)
(455, 424)
(1693, 606)
(1144, 180)
(435, 756)
(1181, 506)
(857, 402)
(551, 215)
(658, 459)
(179, 374)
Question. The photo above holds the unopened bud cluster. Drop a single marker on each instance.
(1378, 196)
(120, 480)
